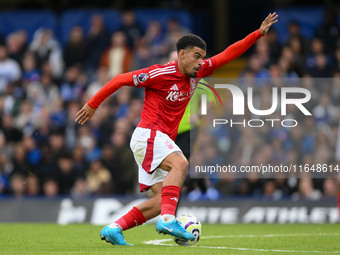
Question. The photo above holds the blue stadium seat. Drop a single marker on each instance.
(145, 16)
(82, 18)
(309, 19)
(29, 21)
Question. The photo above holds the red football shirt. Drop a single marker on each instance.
(167, 91)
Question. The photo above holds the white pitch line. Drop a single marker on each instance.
(162, 243)
(272, 235)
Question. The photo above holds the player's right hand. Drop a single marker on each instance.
(270, 20)
(85, 114)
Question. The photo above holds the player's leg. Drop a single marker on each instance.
(152, 207)
(135, 217)
(177, 165)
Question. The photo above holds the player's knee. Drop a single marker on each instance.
(183, 164)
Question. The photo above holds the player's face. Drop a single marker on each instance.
(192, 60)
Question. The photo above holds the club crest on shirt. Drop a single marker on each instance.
(143, 77)
(169, 145)
(192, 83)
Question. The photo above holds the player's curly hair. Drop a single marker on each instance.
(190, 41)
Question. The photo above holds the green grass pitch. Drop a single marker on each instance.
(256, 239)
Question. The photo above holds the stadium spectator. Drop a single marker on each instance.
(43, 92)
(87, 140)
(80, 189)
(30, 70)
(66, 174)
(329, 188)
(306, 190)
(270, 191)
(98, 40)
(142, 56)
(123, 100)
(20, 163)
(9, 70)
(296, 46)
(100, 80)
(12, 134)
(4, 183)
(316, 49)
(274, 45)
(18, 187)
(7, 166)
(154, 40)
(79, 161)
(17, 45)
(47, 50)
(324, 111)
(33, 152)
(32, 185)
(130, 28)
(262, 51)
(98, 179)
(294, 30)
(329, 31)
(25, 119)
(335, 92)
(337, 60)
(288, 64)
(117, 58)
(124, 169)
(73, 87)
(50, 188)
(173, 32)
(76, 49)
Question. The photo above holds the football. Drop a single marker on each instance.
(191, 224)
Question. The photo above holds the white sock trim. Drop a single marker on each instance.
(167, 217)
(114, 225)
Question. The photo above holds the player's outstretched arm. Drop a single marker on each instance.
(89, 109)
(237, 49)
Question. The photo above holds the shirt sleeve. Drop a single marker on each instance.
(112, 86)
(229, 54)
(207, 68)
(141, 78)
(138, 78)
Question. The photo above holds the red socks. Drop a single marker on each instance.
(170, 196)
(132, 219)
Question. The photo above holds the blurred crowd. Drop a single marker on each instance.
(311, 64)
(43, 84)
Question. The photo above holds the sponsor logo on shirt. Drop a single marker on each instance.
(174, 87)
(175, 94)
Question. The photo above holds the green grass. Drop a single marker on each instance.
(233, 239)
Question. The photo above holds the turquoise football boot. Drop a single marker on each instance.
(174, 228)
(113, 236)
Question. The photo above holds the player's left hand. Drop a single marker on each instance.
(270, 20)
